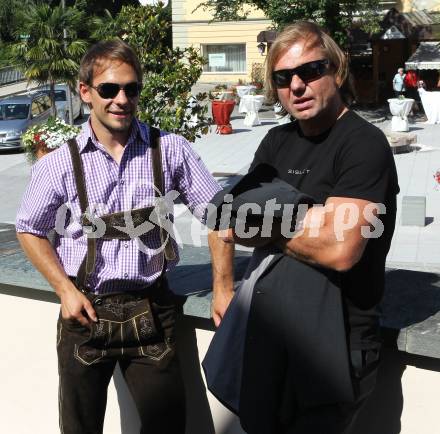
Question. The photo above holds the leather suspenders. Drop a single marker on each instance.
(159, 190)
(117, 219)
(88, 264)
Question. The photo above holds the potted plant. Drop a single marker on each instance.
(218, 90)
(43, 138)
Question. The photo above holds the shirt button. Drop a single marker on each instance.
(126, 245)
(122, 182)
(126, 275)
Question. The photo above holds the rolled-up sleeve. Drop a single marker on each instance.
(194, 182)
(40, 203)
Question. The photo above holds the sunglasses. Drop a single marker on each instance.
(110, 90)
(307, 72)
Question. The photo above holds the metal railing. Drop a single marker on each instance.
(10, 75)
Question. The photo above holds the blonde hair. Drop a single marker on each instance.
(314, 37)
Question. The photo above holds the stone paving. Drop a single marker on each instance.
(419, 246)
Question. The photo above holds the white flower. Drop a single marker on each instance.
(51, 134)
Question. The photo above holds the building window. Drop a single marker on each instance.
(225, 58)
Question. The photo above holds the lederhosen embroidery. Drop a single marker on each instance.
(116, 219)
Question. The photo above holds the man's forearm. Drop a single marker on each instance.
(324, 250)
(42, 255)
(222, 256)
(328, 237)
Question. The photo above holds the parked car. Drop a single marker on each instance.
(18, 113)
(61, 102)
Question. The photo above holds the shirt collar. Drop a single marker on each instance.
(87, 137)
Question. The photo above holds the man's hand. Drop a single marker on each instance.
(220, 302)
(76, 306)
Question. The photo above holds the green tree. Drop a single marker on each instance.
(335, 16)
(42, 53)
(169, 74)
(99, 7)
(8, 18)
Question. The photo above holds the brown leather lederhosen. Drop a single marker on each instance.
(113, 220)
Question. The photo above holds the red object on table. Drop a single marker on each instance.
(221, 112)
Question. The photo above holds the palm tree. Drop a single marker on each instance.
(8, 13)
(49, 50)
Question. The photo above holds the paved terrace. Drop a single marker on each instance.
(412, 300)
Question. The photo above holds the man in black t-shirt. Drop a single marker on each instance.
(345, 164)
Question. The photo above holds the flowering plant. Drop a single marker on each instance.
(43, 138)
(437, 179)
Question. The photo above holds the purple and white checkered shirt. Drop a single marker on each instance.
(51, 201)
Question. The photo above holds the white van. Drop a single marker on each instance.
(61, 102)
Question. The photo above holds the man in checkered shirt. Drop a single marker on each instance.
(125, 313)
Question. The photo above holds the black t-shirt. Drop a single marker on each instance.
(352, 159)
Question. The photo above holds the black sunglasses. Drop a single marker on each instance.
(110, 90)
(307, 72)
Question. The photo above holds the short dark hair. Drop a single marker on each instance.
(100, 53)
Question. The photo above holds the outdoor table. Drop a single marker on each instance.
(251, 105)
(431, 105)
(243, 91)
(400, 108)
(221, 113)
